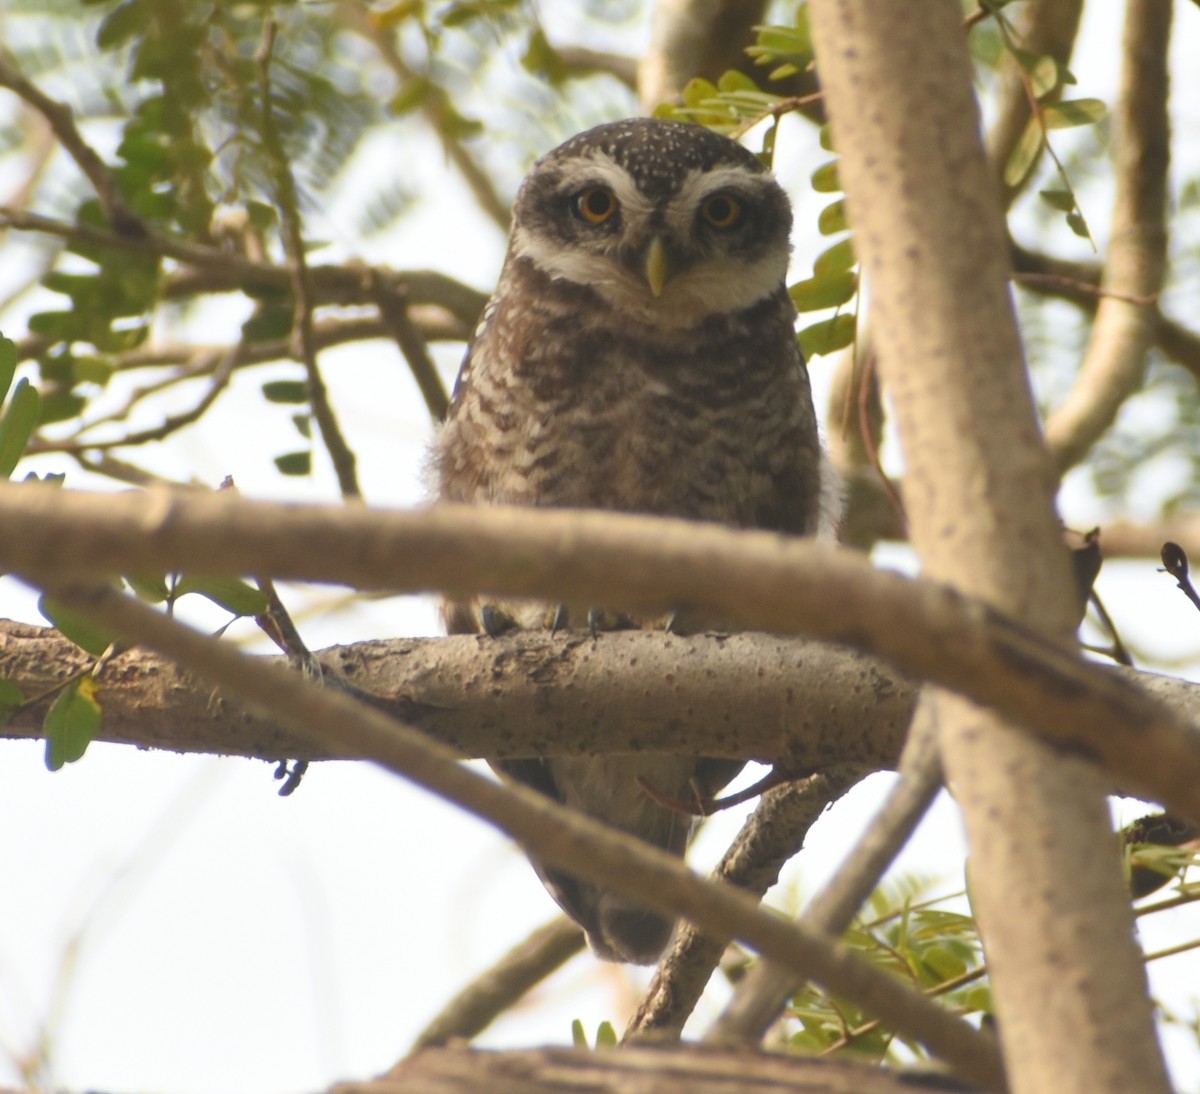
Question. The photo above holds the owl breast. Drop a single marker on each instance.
(565, 403)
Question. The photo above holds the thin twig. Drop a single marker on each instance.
(770, 837)
(394, 311)
(304, 346)
(229, 271)
(474, 1008)
(62, 122)
(762, 995)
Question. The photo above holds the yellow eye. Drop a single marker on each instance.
(722, 210)
(596, 204)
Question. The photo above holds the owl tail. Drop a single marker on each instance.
(617, 929)
(607, 789)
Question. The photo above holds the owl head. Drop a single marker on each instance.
(666, 221)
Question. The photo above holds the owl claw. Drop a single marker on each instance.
(704, 804)
(494, 621)
(700, 806)
(560, 619)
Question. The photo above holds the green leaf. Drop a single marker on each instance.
(832, 219)
(286, 391)
(10, 699)
(1024, 153)
(830, 291)
(17, 425)
(1078, 225)
(1062, 200)
(578, 1037)
(828, 336)
(1042, 70)
(303, 424)
(71, 723)
(825, 179)
(732, 80)
(231, 593)
(122, 24)
(268, 323)
(697, 90)
(1074, 112)
(606, 1036)
(295, 463)
(825, 138)
(88, 636)
(8, 364)
(837, 258)
(60, 405)
(153, 590)
(411, 96)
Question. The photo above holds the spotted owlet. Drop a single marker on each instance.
(639, 355)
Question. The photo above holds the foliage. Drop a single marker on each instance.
(208, 146)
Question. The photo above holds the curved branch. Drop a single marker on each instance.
(694, 38)
(223, 270)
(753, 580)
(555, 833)
(749, 696)
(772, 834)
(1124, 331)
(526, 965)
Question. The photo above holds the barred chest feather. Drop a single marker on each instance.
(563, 402)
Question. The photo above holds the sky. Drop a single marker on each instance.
(172, 924)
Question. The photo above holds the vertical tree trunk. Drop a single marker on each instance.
(1068, 981)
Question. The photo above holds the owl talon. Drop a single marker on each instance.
(560, 619)
(700, 806)
(494, 621)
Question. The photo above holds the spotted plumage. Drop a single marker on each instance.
(638, 355)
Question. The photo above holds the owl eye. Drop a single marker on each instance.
(721, 210)
(596, 204)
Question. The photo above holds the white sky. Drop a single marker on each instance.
(171, 924)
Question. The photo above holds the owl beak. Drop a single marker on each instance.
(656, 270)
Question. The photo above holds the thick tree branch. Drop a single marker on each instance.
(979, 500)
(697, 1069)
(558, 835)
(755, 580)
(694, 38)
(751, 696)
(1123, 332)
(799, 704)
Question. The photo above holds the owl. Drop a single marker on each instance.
(638, 355)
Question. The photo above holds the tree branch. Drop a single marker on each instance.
(1124, 331)
(749, 696)
(62, 122)
(980, 505)
(526, 965)
(552, 832)
(763, 994)
(753, 580)
(331, 284)
(697, 1069)
(772, 835)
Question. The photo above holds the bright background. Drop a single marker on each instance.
(170, 923)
